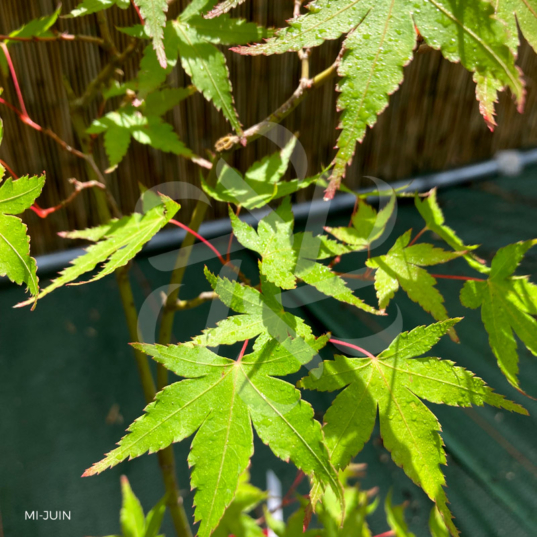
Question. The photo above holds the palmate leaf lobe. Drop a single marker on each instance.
(116, 244)
(402, 267)
(284, 259)
(15, 260)
(221, 399)
(223, 7)
(154, 15)
(508, 306)
(393, 383)
(431, 212)
(381, 36)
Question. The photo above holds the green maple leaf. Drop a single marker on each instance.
(116, 244)
(380, 42)
(207, 68)
(228, 31)
(132, 519)
(367, 225)
(510, 12)
(203, 62)
(151, 74)
(507, 304)
(236, 520)
(525, 13)
(326, 20)
(282, 262)
(194, 39)
(434, 219)
(260, 314)
(154, 15)
(468, 32)
(15, 260)
(223, 7)
(351, 522)
(35, 28)
(220, 399)
(402, 267)
(87, 7)
(394, 382)
(436, 524)
(260, 184)
(126, 123)
(371, 70)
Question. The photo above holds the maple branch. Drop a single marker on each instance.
(450, 277)
(351, 346)
(58, 37)
(304, 53)
(204, 297)
(232, 141)
(108, 42)
(366, 276)
(79, 187)
(25, 118)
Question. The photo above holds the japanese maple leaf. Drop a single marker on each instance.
(393, 384)
(261, 183)
(507, 304)
(431, 212)
(368, 225)
(221, 399)
(116, 243)
(285, 259)
(402, 266)
(380, 40)
(15, 260)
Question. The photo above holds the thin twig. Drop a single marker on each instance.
(58, 37)
(79, 187)
(108, 42)
(232, 141)
(364, 276)
(182, 305)
(137, 9)
(303, 54)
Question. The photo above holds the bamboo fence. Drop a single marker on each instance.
(432, 122)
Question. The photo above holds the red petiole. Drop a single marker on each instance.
(243, 350)
(200, 238)
(355, 347)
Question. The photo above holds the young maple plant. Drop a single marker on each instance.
(221, 402)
